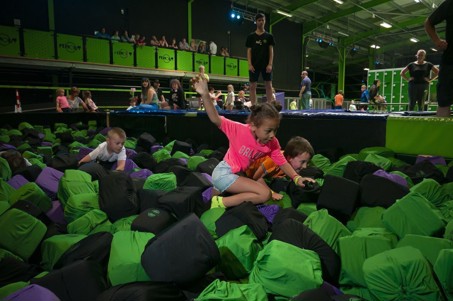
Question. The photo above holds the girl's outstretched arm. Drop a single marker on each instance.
(200, 84)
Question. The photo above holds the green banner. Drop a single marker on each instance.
(184, 60)
(201, 59)
(69, 47)
(9, 41)
(166, 59)
(146, 57)
(39, 44)
(98, 50)
(123, 53)
(231, 66)
(217, 64)
(243, 68)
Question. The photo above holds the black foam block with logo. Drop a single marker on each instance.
(153, 220)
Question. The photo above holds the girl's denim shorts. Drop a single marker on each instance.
(222, 176)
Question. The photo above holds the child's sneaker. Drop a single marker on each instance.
(216, 202)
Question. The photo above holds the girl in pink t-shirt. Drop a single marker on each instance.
(62, 104)
(247, 142)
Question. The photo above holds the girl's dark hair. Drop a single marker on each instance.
(261, 112)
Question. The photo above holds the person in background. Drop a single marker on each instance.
(193, 45)
(375, 97)
(445, 83)
(247, 142)
(215, 96)
(154, 41)
(163, 104)
(62, 105)
(183, 45)
(148, 95)
(202, 72)
(163, 42)
(293, 105)
(419, 79)
(177, 99)
(174, 44)
(212, 48)
(75, 102)
(110, 151)
(89, 102)
(260, 56)
(240, 100)
(298, 152)
(364, 98)
(132, 103)
(116, 36)
(339, 98)
(229, 101)
(305, 91)
(125, 37)
(202, 47)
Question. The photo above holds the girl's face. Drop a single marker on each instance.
(60, 93)
(266, 131)
(145, 83)
(230, 89)
(299, 162)
(174, 86)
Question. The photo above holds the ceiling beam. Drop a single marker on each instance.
(275, 18)
(312, 25)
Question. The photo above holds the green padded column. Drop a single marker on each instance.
(10, 43)
(341, 67)
(166, 58)
(39, 44)
(69, 48)
(123, 53)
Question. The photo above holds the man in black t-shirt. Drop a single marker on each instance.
(260, 57)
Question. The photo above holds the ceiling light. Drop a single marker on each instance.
(414, 40)
(338, 1)
(417, 1)
(343, 34)
(385, 25)
(366, 69)
(283, 13)
(434, 49)
(375, 46)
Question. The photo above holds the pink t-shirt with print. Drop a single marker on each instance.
(244, 149)
(63, 102)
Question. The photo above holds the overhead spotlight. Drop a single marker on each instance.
(283, 13)
(417, 1)
(366, 69)
(323, 44)
(233, 15)
(414, 40)
(238, 16)
(338, 1)
(375, 46)
(385, 25)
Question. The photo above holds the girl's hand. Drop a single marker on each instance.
(276, 196)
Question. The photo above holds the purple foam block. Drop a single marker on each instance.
(48, 180)
(4, 146)
(207, 177)
(129, 167)
(17, 181)
(155, 148)
(207, 195)
(436, 160)
(269, 211)
(83, 151)
(141, 174)
(104, 131)
(130, 153)
(56, 213)
(392, 177)
(33, 292)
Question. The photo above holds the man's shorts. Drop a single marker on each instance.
(254, 76)
(444, 86)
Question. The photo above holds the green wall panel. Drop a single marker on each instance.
(123, 54)
(166, 59)
(69, 47)
(146, 57)
(231, 66)
(184, 60)
(98, 50)
(9, 41)
(201, 59)
(243, 68)
(217, 64)
(39, 44)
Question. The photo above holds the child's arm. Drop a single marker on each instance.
(120, 165)
(59, 110)
(85, 159)
(292, 174)
(201, 86)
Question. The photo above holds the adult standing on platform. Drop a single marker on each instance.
(305, 91)
(260, 57)
(419, 79)
(444, 91)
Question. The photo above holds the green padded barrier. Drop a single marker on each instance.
(161, 181)
(184, 60)
(79, 204)
(123, 54)
(123, 224)
(201, 59)
(431, 190)
(337, 168)
(53, 247)
(286, 270)
(146, 57)
(444, 272)
(223, 290)
(39, 44)
(238, 250)
(98, 51)
(125, 257)
(354, 250)
(429, 246)
(166, 59)
(403, 135)
(179, 155)
(34, 194)
(231, 66)
(217, 64)
(209, 217)
(366, 217)
(69, 48)
(378, 150)
(400, 274)
(243, 68)
(10, 44)
(92, 222)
